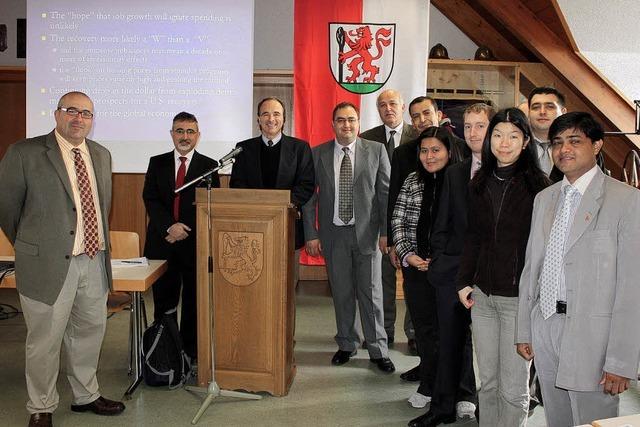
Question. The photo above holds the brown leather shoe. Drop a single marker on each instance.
(100, 406)
(41, 419)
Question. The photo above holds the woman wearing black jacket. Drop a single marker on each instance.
(411, 224)
(500, 205)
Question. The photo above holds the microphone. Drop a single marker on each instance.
(233, 153)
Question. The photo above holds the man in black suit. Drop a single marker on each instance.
(392, 133)
(171, 232)
(276, 161)
(447, 242)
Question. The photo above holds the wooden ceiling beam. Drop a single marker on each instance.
(565, 62)
(478, 29)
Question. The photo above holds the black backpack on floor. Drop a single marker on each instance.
(164, 360)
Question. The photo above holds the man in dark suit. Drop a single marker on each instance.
(54, 209)
(276, 161)
(392, 133)
(352, 175)
(171, 233)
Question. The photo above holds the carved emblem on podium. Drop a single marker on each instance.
(240, 257)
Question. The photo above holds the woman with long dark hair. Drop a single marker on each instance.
(411, 224)
(500, 205)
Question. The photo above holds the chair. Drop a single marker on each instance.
(125, 244)
(6, 248)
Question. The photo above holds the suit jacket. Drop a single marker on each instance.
(370, 190)
(450, 227)
(601, 327)
(159, 184)
(295, 172)
(379, 134)
(38, 214)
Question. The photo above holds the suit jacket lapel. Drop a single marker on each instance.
(362, 160)
(587, 210)
(407, 133)
(55, 157)
(98, 171)
(287, 161)
(326, 158)
(550, 214)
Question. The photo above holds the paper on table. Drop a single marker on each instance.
(130, 262)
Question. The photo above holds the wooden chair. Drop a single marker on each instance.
(125, 244)
(6, 248)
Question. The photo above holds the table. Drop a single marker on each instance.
(125, 279)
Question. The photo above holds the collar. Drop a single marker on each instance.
(583, 182)
(398, 129)
(476, 158)
(337, 148)
(275, 140)
(176, 156)
(67, 146)
(538, 141)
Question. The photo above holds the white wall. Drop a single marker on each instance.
(606, 32)
(9, 12)
(441, 30)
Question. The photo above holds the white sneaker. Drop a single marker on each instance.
(418, 400)
(465, 409)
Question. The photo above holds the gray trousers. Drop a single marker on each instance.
(562, 407)
(504, 375)
(78, 319)
(355, 276)
(389, 301)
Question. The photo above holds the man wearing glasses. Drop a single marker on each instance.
(171, 232)
(352, 176)
(54, 210)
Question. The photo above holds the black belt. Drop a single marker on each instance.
(561, 307)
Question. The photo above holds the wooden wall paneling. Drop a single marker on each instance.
(13, 126)
(127, 208)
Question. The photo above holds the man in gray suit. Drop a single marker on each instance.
(352, 176)
(54, 210)
(578, 311)
(393, 132)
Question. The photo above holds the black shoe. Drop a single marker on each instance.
(411, 375)
(100, 406)
(384, 364)
(431, 419)
(41, 419)
(341, 357)
(413, 349)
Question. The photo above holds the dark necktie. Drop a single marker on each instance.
(270, 143)
(345, 190)
(89, 217)
(182, 171)
(391, 144)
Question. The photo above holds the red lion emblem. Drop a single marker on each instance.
(362, 58)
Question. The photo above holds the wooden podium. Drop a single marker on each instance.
(253, 254)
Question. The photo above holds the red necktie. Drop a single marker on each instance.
(182, 171)
(89, 217)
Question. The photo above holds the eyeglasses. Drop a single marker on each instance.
(74, 112)
(181, 131)
(342, 120)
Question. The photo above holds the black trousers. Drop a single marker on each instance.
(420, 299)
(180, 278)
(444, 329)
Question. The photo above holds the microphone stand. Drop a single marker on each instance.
(213, 390)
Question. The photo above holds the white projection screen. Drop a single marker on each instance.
(142, 62)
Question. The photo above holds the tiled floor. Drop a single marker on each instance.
(355, 394)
